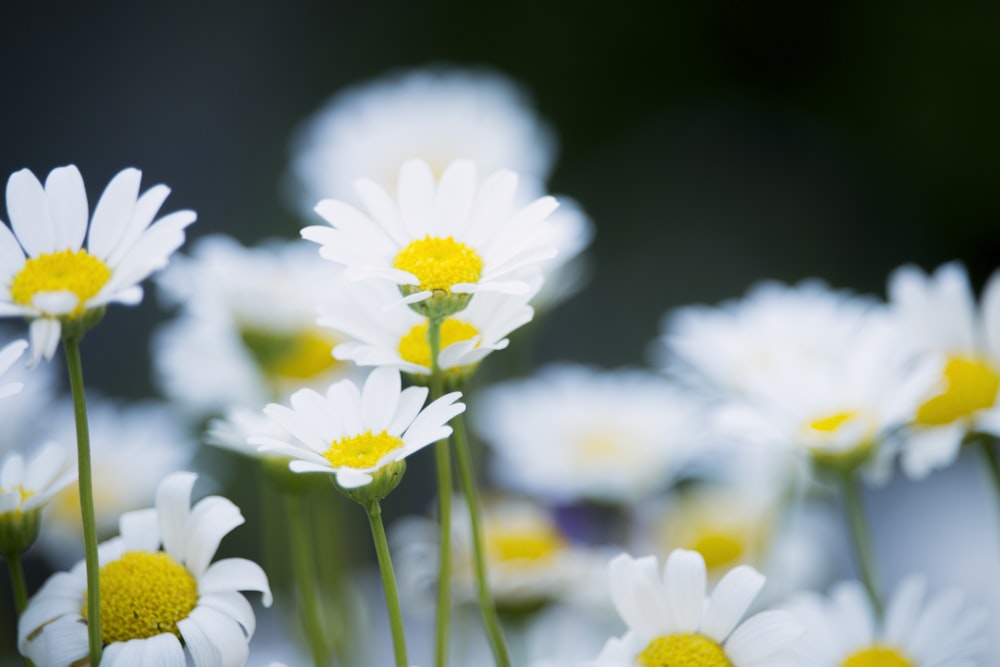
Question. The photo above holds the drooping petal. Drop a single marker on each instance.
(235, 574)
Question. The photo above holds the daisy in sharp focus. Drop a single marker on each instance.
(445, 238)
(163, 600)
(47, 275)
(940, 316)
(916, 631)
(673, 621)
(352, 433)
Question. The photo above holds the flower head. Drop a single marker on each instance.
(163, 600)
(672, 621)
(50, 278)
(25, 489)
(445, 239)
(354, 434)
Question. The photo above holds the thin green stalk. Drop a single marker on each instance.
(860, 537)
(442, 457)
(304, 573)
(71, 344)
(17, 582)
(374, 511)
(986, 443)
(468, 481)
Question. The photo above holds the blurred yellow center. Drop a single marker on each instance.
(719, 548)
(877, 656)
(440, 263)
(361, 451)
(683, 650)
(73, 271)
(523, 543)
(971, 385)
(24, 493)
(831, 423)
(300, 356)
(143, 594)
(413, 347)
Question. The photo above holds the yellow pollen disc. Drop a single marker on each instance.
(831, 423)
(972, 386)
(719, 548)
(300, 356)
(413, 347)
(877, 656)
(440, 263)
(683, 650)
(73, 271)
(144, 594)
(524, 543)
(361, 451)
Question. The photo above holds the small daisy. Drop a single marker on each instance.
(917, 631)
(439, 115)
(26, 489)
(671, 621)
(940, 315)
(446, 238)
(163, 601)
(247, 330)
(50, 278)
(353, 433)
(398, 337)
(577, 433)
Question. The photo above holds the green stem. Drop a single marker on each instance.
(992, 461)
(442, 457)
(467, 480)
(860, 537)
(17, 582)
(374, 511)
(71, 344)
(304, 573)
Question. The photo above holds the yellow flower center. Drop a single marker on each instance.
(73, 271)
(719, 548)
(300, 356)
(536, 544)
(413, 347)
(877, 656)
(361, 451)
(440, 263)
(24, 493)
(144, 594)
(683, 650)
(831, 423)
(972, 386)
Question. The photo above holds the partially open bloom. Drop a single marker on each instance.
(25, 488)
(672, 621)
(940, 316)
(446, 238)
(352, 433)
(916, 631)
(163, 600)
(47, 274)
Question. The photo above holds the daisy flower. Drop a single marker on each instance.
(446, 238)
(246, 333)
(940, 315)
(162, 599)
(397, 337)
(671, 621)
(917, 631)
(25, 489)
(50, 278)
(354, 434)
(439, 115)
(576, 433)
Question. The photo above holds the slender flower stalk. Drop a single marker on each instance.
(442, 457)
(988, 444)
(71, 344)
(373, 509)
(487, 607)
(860, 537)
(305, 576)
(17, 582)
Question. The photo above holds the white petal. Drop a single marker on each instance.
(140, 530)
(379, 398)
(68, 206)
(235, 574)
(58, 303)
(214, 639)
(212, 518)
(173, 503)
(730, 600)
(233, 605)
(638, 596)
(29, 214)
(762, 636)
(113, 212)
(44, 334)
(684, 578)
(61, 644)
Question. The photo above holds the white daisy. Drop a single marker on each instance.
(577, 433)
(247, 330)
(671, 621)
(940, 315)
(163, 601)
(398, 337)
(354, 433)
(132, 448)
(47, 274)
(438, 115)
(440, 237)
(25, 489)
(916, 631)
